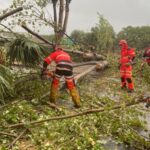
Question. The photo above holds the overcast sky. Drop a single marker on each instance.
(119, 13)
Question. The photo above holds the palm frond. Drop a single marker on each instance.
(6, 83)
(25, 51)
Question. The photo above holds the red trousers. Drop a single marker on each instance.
(69, 82)
(126, 76)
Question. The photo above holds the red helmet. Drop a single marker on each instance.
(123, 42)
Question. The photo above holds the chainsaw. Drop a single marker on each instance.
(47, 74)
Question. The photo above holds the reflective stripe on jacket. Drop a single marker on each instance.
(58, 56)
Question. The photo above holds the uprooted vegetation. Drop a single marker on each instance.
(89, 131)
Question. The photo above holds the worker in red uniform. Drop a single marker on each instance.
(147, 55)
(126, 61)
(63, 68)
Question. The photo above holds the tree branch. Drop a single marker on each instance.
(17, 138)
(140, 100)
(8, 134)
(36, 35)
(10, 13)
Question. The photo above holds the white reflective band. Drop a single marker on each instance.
(65, 63)
(58, 76)
(68, 77)
(63, 69)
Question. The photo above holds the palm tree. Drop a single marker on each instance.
(25, 51)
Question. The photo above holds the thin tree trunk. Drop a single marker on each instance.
(66, 16)
(61, 14)
(55, 17)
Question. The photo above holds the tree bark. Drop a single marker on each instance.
(55, 15)
(10, 13)
(66, 16)
(61, 14)
(36, 35)
(79, 76)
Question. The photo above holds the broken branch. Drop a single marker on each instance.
(10, 13)
(79, 114)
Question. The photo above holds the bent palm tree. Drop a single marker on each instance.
(25, 51)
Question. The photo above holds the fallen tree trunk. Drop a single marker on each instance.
(85, 63)
(91, 111)
(36, 35)
(101, 65)
(98, 66)
(10, 13)
(79, 76)
(86, 55)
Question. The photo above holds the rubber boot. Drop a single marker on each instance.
(53, 94)
(75, 97)
(123, 83)
(130, 85)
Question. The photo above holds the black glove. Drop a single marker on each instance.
(147, 103)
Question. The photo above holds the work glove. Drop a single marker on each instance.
(147, 103)
(43, 73)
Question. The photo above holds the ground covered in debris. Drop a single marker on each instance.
(123, 128)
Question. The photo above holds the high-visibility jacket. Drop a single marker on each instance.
(57, 56)
(127, 55)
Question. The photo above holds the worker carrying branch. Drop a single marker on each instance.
(126, 61)
(64, 68)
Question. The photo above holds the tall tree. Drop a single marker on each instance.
(104, 35)
(38, 12)
(138, 37)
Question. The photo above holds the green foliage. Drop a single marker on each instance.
(104, 35)
(146, 73)
(78, 36)
(138, 37)
(25, 51)
(6, 83)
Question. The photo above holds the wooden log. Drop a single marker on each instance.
(79, 76)
(84, 64)
(87, 56)
(98, 66)
(10, 13)
(101, 66)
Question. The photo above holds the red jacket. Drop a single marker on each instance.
(127, 55)
(57, 56)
